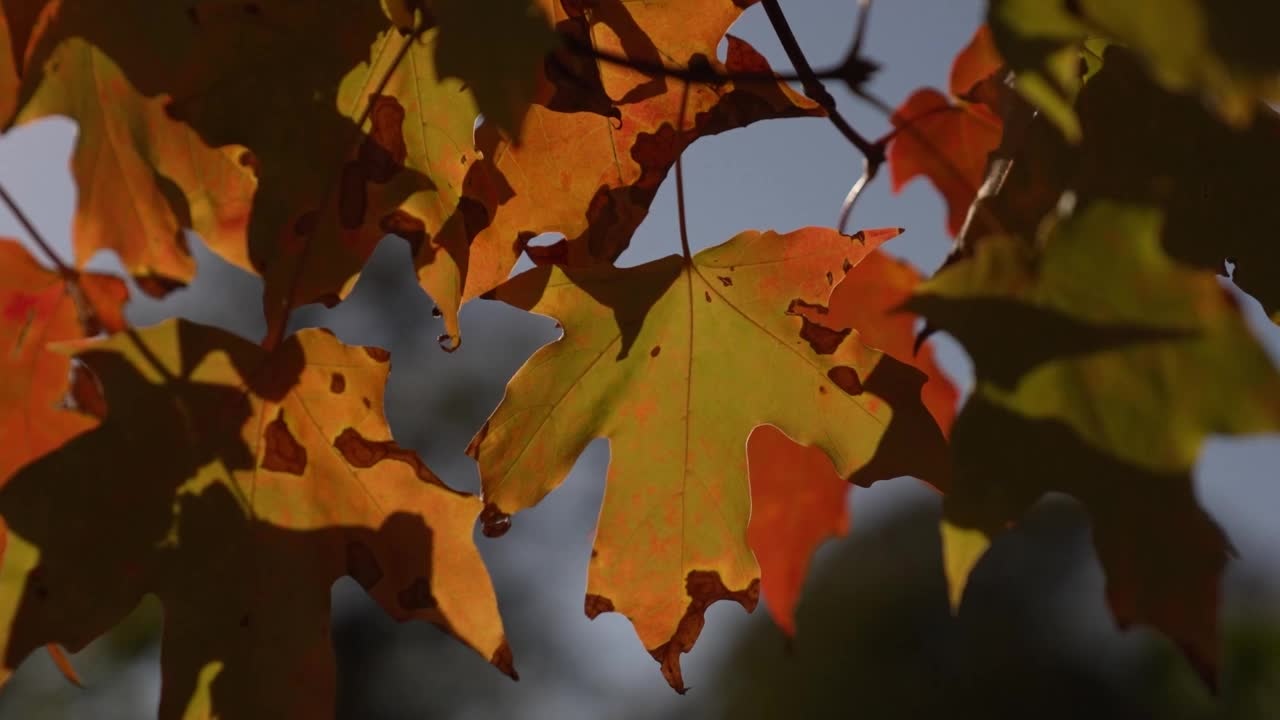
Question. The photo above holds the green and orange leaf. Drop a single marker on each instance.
(666, 361)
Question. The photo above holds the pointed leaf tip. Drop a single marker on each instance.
(962, 548)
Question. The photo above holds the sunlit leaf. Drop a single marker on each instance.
(580, 170)
(38, 307)
(675, 363)
(237, 485)
(798, 500)
(340, 116)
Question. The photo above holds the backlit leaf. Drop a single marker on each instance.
(1225, 50)
(141, 176)
(237, 485)
(1102, 366)
(38, 307)
(948, 140)
(675, 363)
(946, 143)
(590, 176)
(341, 117)
(797, 498)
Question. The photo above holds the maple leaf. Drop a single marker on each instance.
(38, 307)
(948, 141)
(237, 485)
(495, 48)
(1224, 50)
(583, 171)
(1141, 143)
(797, 497)
(141, 176)
(360, 140)
(1214, 184)
(668, 360)
(1123, 363)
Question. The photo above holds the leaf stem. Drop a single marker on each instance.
(684, 227)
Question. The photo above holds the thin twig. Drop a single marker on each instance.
(65, 270)
(705, 74)
(860, 31)
(812, 85)
(85, 311)
(869, 173)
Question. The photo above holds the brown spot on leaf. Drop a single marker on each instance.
(283, 453)
(597, 604)
(366, 402)
(822, 389)
(707, 294)
(362, 452)
(654, 352)
(377, 353)
(157, 286)
(383, 152)
(557, 253)
(821, 338)
(504, 661)
(704, 587)
(362, 565)
(725, 281)
(846, 378)
(493, 522)
(244, 620)
(831, 279)
(417, 596)
(404, 225)
(337, 383)
(847, 266)
(86, 391)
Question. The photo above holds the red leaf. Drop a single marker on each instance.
(797, 498)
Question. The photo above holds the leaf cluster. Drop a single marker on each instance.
(1102, 163)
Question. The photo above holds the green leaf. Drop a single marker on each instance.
(1102, 367)
(1225, 50)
